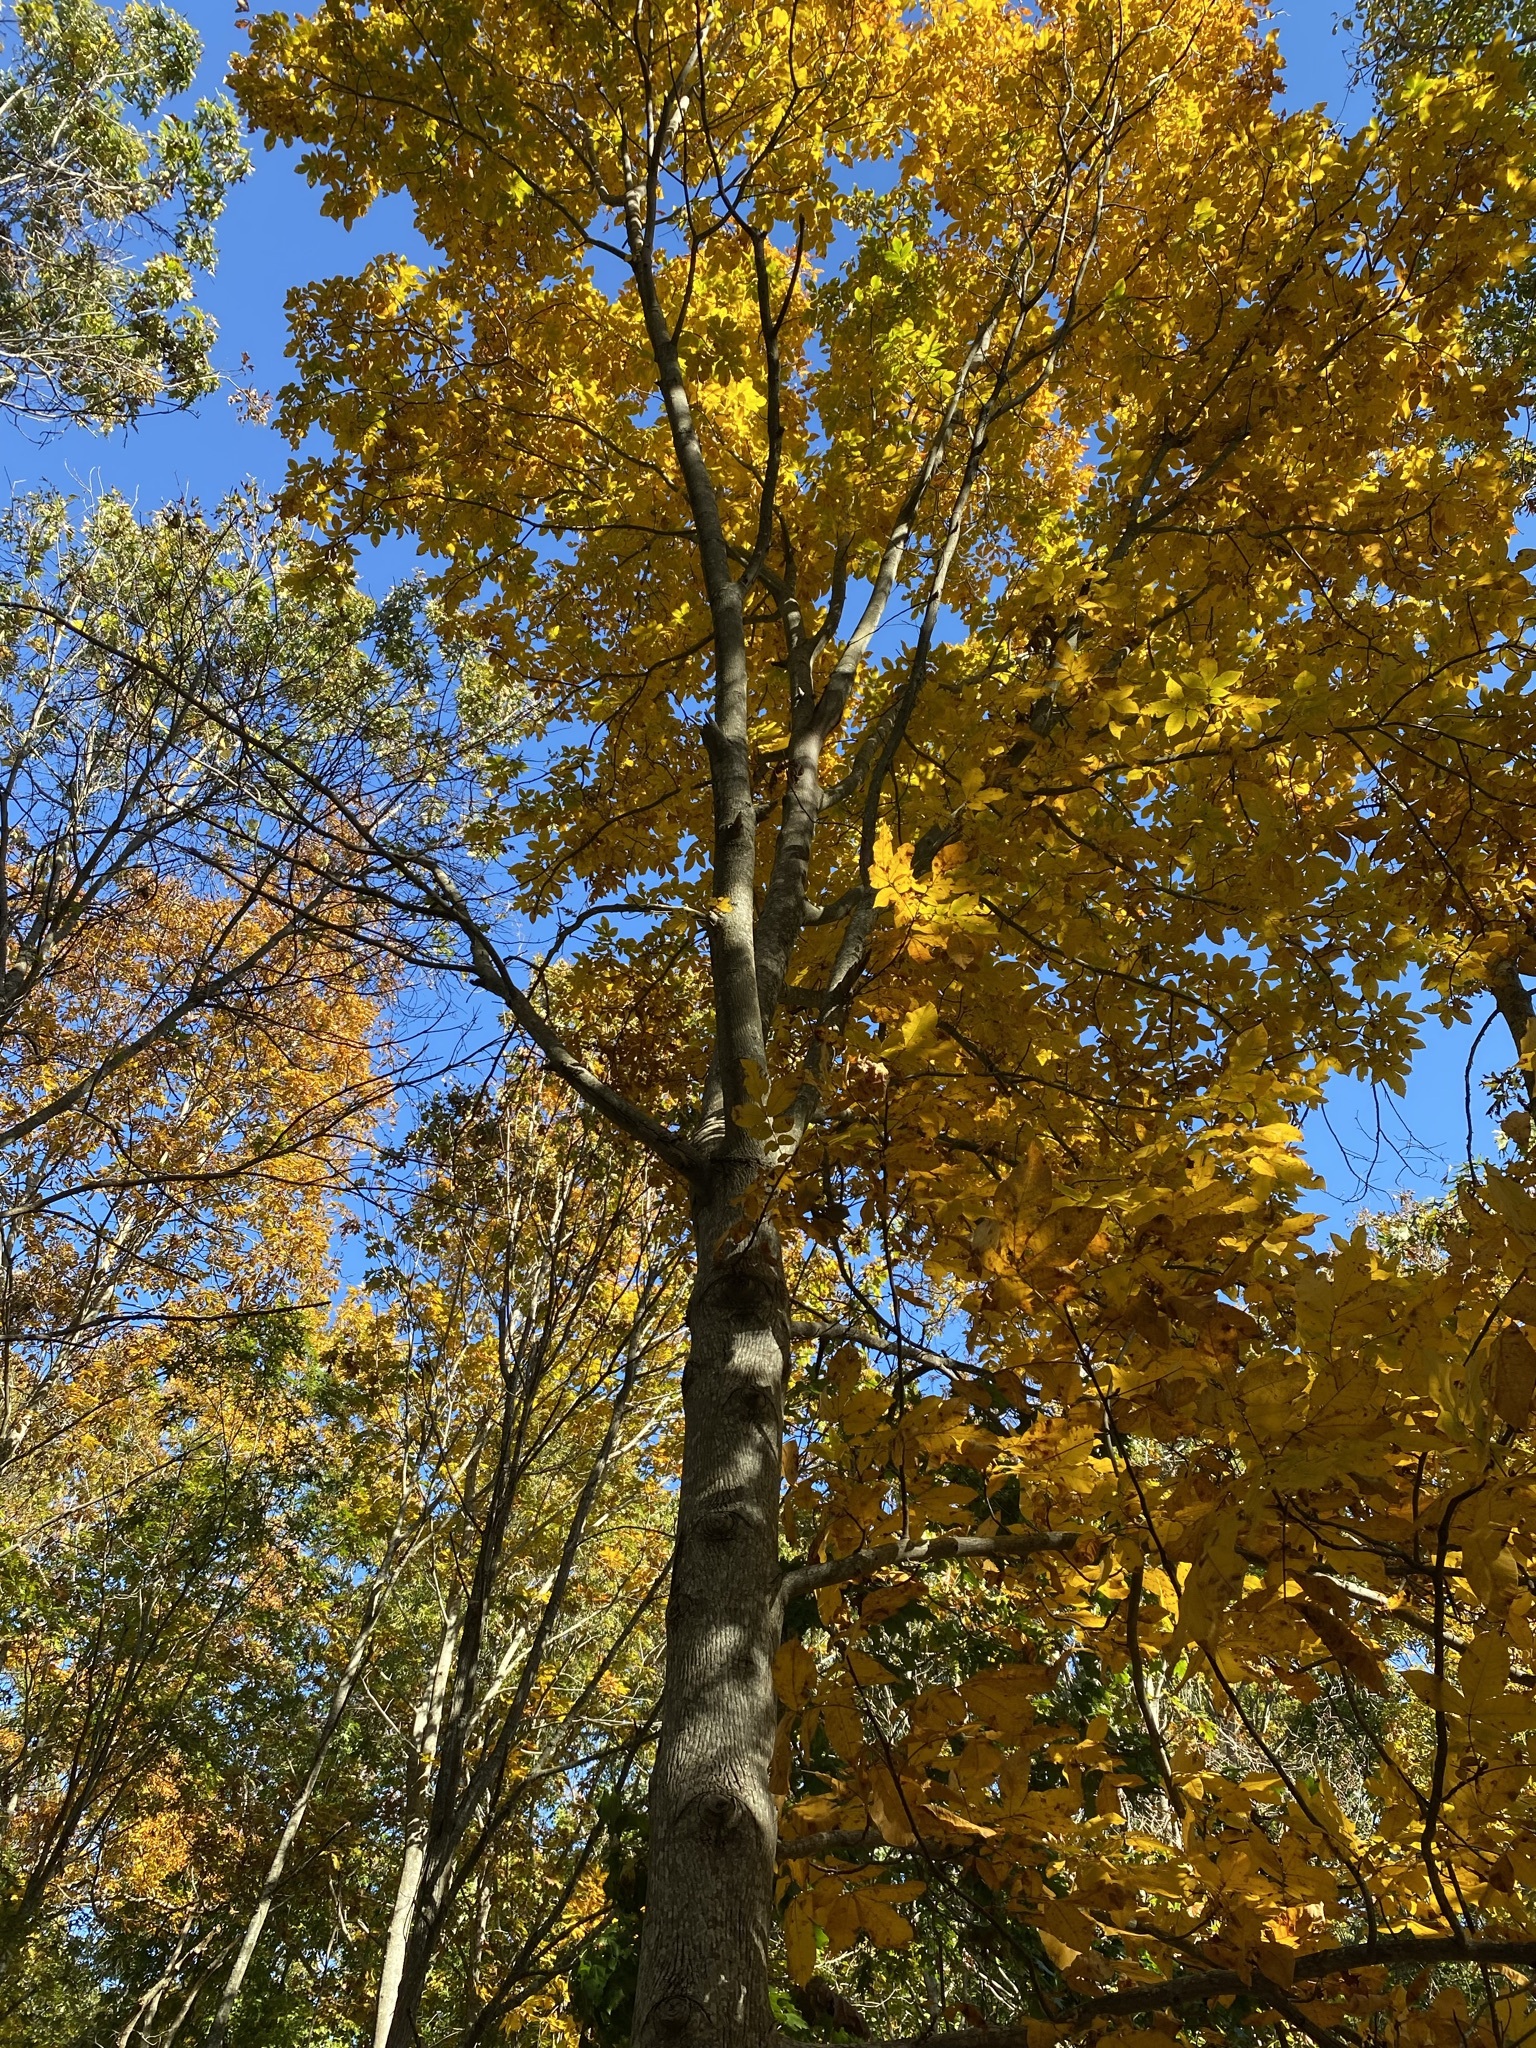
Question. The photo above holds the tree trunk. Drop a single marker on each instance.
(422, 1764)
(709, 1890)
(256, 1925)
(143, 2014)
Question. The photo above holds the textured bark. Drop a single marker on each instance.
(1516, 1008)
(709, 1896)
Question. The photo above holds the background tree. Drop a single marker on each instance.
(187, 1063)
(105, 217)
(1398, 39)
(365, 1742)
(186, 1043)
(533, 1283)
(1394, 35)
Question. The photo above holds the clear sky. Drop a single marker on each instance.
(274, 237)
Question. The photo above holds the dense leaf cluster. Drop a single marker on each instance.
(103, 220)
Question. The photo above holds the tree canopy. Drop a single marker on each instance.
(974, 652)
(105, 220)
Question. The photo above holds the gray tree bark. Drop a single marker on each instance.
(709, 1897)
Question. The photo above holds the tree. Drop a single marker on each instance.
(185, 1041)
(1401, 39)
(163, 1596)
(1395, 35)
(104, 220)
(532, 1282)
(188, 1060)
(340, 1642)
(1005, 537)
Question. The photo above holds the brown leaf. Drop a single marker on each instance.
(1277, 1962)
(1514, 1377)
(1343, 1646)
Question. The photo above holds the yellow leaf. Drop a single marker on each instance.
(794, 1673)
(1438, 1693)
(1061, 1953)
(920, 1028)
(882, 1923)
(845, 1730)
(1514, 1377)
(867, 1670)
(800, 1938)
(888, 1810)
(1278, 1963)
(840, 1921)
(1482, 1676)
(1510, 1202)
(1005, 1698)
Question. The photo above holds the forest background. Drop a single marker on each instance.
(1127, 1674)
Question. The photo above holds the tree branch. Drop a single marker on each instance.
(1198, 1987)
(492, 974)
(849, 1845)
(862, 1564)
(857, 1845)
(886, 1347)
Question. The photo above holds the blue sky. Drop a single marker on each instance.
(274, 237)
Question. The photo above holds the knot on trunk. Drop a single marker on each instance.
(676, 2018)
(721, 1817)
(744, 1287)
(730, 1514)
(720, 1525)
(757, 1403)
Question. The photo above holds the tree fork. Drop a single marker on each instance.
(709, 1895)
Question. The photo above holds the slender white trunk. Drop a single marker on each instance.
(340, 1701)
(425, 1731)
(143, 2014)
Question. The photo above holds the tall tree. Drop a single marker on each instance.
(332, 1652)
(185, 1039)
(1006, 540)
(533, 1283)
